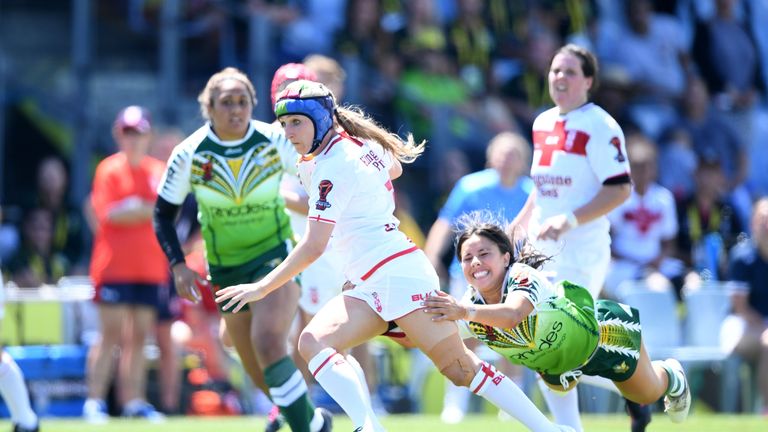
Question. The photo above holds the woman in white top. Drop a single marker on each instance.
(347, 165)
(581, 173)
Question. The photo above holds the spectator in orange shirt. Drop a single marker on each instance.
(127, 266)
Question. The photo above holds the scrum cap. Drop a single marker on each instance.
(292, 72)
(310, 99)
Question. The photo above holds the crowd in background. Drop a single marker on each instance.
(686, 80)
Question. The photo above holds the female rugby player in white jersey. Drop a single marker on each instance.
(347, 168)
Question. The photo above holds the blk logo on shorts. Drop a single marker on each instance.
(324, 188)
(421, 297)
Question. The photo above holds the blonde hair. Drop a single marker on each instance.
(641, 148)
(358, 124)
(205, 98)
(323, 65)
(517, 141)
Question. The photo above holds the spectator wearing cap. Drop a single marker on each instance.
(127, 266)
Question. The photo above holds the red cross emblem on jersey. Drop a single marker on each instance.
(559, 140)
(643, 218)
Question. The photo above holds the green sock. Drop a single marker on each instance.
(289, 393)
(675, 385)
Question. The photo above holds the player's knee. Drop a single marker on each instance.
(309, 344)
(269, 347)
(458, 372)
(455, 361)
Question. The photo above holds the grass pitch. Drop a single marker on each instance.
(407, 423)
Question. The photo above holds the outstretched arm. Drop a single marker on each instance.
(502, 315)
(309, 249)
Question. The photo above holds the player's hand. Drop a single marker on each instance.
(554, 227)
(239, 295)
(188, 282)
(444, 307)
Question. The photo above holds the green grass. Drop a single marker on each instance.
(481, 423)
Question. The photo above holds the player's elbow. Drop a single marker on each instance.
(314, 249)
(625, 190)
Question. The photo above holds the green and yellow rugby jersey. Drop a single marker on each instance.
(237, 188)
(558, 336)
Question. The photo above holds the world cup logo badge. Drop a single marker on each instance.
(207, 171)
(324, 188)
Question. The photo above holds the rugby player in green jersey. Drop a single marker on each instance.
(233, 165)
(557, 330)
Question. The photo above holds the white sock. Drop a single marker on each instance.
(15, 394)
(421, 366)
(601, 382)
(317, 421)
(456, 397)
(360, 376)
(502, 392)
(564, 406)
(340, 380)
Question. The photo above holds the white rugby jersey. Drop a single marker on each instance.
(349, 186)
(641, 223)
(573, 155)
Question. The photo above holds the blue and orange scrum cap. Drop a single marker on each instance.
(310, 99)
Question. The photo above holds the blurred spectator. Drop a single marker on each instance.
(68, 224)
(708, 223)
(451, 165)
(362, 35)
(329, 72)
(313, 30)
(472, 43)
(712, 137)
(728, 61)
(644, 227)
(37, 262)
(526, 93)
(748, 328)
(127, 266)
(651, 51)
(430, 80)
(677, 163)
(364, 42)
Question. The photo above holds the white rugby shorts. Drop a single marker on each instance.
(398, 287)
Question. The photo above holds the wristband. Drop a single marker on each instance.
(571, 218)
